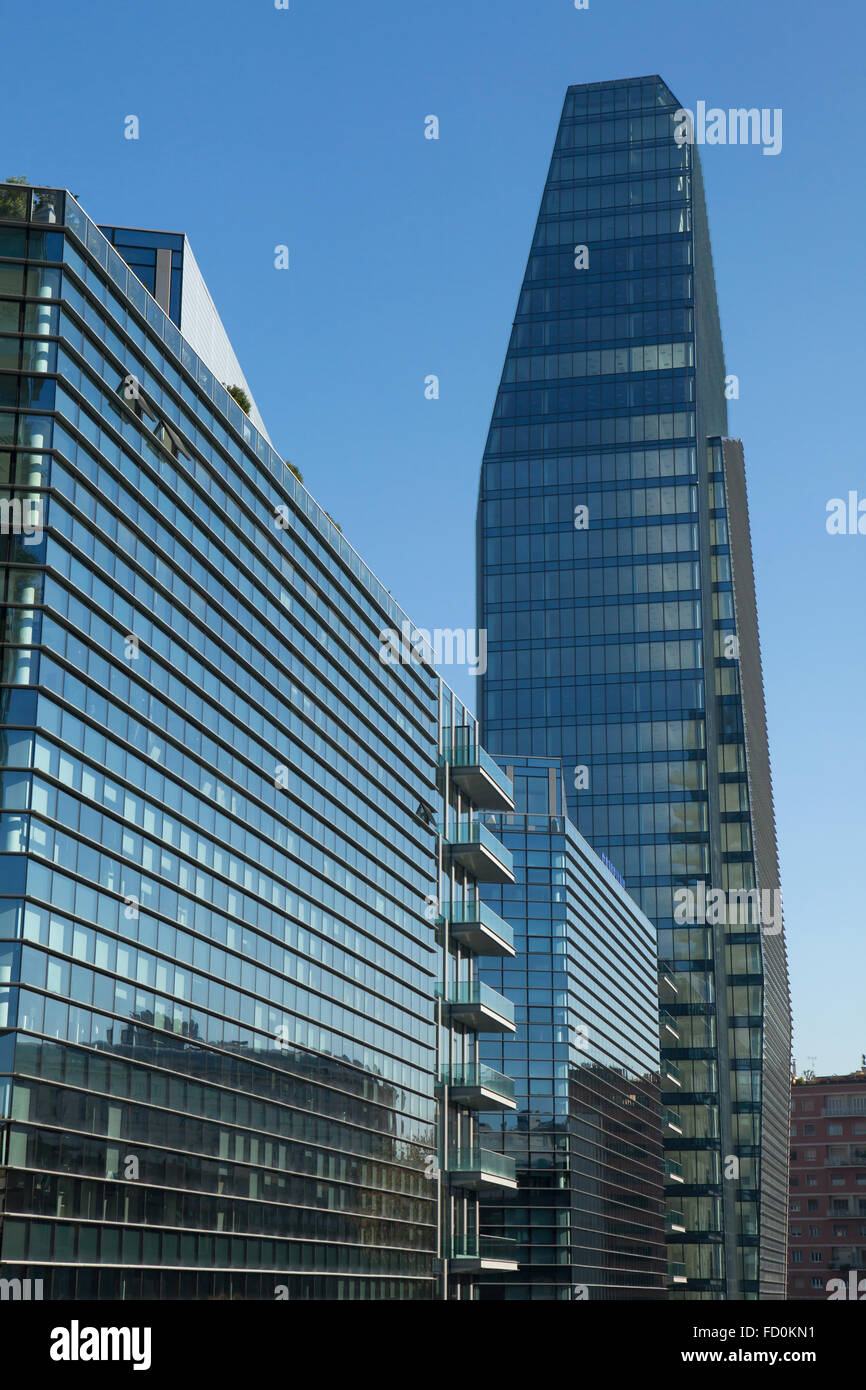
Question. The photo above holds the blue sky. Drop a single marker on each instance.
(305, 127)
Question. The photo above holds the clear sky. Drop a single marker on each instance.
(305, 127)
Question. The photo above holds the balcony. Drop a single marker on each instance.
(673, 1171)
(671, 1121)
(478, 1087)
(675, 1222)
(670, 1072)
(668, 981)
(477, 1168)
(852, 1157)
(668, 1028)
(475, 1005)
(471, 1254)
(479, 777)
(676, 1272)
(475, 927)
(473, 848)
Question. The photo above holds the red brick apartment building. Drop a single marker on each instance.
(827, 1230)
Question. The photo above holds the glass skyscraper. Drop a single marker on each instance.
(615, 584)
(239, 836)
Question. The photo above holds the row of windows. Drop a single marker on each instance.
(263, 1178)
(46, 1194)
(556, 366)
(614, 617)
(73, 1284)
(575, 434)
(182, 1073)
(63, 1242)
(580, 296)
(602, 330)
(124, 1129)
(518, 402)
(577, 133)
(507, 578)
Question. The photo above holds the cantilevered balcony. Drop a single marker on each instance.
(670, 1072)
(675, 1222)
(676, 1272)
(477, 1006)
(471, 1254)
(671, 1122)
(476, 1168)
(477, 928)
(472, 847)
(673, 1171)
(478, 1087)
(668, 987)
(668, 1028)
(479, 777)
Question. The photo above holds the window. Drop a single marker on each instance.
(816, 1257)
(795, 1206)
(817, 1283)
(839, 1231)
(797, 1231)
(811, 1180)
(810, 1155)
(814, 1230)
(797, 1256)
(808, 1129)
(834, 1129)
(812, 1204)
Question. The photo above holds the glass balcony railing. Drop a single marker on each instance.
(486, 857)
(484, 1162)
(482, 1247)
(676, 1272)
(668, 1024)
(481, 776)
(673, 1170)
(671, 1071)
(475, 997)
(472, 1076)
(674, 1220)
(481, 924)
(672, 1119)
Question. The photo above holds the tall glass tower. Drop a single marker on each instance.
(615, 584)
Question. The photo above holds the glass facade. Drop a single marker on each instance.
(220, 1010)
(614, 562)
(586, 1134)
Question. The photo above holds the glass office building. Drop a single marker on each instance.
(588, 1217)
(239, 995)
(615, 584)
